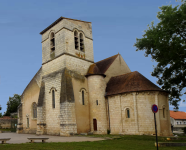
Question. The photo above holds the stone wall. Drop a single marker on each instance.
(141, 119)
(64, 40)
(29, 96)
(5, 123)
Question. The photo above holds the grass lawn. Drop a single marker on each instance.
(125, 142)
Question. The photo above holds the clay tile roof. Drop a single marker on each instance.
(103, 65)
(177, 114)
(6, 117)
(130, 82)
(94, 70)
(58, 20)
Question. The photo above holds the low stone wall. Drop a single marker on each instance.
(5, 123)
(178, 128)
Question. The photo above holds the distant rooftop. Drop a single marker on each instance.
(177, 114)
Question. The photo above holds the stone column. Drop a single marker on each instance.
(157, 114)
(135, 112)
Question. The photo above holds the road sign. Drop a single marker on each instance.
(154, 108)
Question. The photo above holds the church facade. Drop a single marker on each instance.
(71, 94)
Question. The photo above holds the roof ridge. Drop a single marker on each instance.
(124, 74)
(107, 58)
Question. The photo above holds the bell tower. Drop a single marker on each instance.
(67, 37)
(67, 53)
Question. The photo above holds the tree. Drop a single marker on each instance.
(0, 113)
(12, 104)
(166, 43)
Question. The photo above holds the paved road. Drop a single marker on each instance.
(22, 138)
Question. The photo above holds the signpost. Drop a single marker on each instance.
(155, 110)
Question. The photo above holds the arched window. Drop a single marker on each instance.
(127, 113)
(83, 98)
(76, 42)
(53, 99)
(34, 107)
(81, 42)
(163, 112)
(27, 122)
(52, 41)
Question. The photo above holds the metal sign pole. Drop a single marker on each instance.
(156, 131)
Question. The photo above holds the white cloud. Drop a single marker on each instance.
(182, 104)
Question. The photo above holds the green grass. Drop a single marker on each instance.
(126, 142)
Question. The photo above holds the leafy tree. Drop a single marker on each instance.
(0, 113)
(12, 104)
(166, 43)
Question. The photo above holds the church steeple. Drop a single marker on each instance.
(67, 36)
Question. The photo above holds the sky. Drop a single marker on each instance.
(115, 23)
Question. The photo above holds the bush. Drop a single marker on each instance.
(184, 130)
(108, 131)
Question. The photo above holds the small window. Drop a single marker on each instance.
(27, 122)
(96, 102)
(53, 98)
(180, 122)
(177, 123)
(52, 42)
(76, 42)
(163, 112)
(128, 113)
(34, 110)
(81, 42)
(83, 98)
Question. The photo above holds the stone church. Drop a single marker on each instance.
(72, 94)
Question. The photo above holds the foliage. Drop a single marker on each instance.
(184, 130)
(12, 104)
(166, 43)
(0, 112)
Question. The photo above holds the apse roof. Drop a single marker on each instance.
(130, 82)
(177, 114)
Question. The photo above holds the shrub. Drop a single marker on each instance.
(184, 130)
(108, 131)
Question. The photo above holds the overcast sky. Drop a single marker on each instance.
(116, 24)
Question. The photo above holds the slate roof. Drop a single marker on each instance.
(94, 70)
(177, 114)
(58, 20)
(104, 64)
(130, 82)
